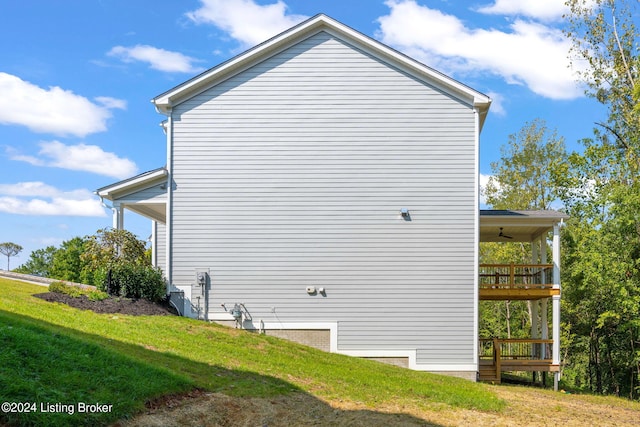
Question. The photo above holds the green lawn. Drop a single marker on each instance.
(52, 353)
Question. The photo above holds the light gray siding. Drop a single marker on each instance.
(293, 173)
(160, 245)
(156, 193)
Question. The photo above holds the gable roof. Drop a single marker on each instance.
(165, 101)
(133, 184)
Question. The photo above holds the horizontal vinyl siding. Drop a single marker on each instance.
(161, 246)
(293, 173)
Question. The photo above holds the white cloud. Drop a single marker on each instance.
(158, 59)
(497, 104)
(15, 199)
(546, 10)
(111, 103)
(81, 157)
(244, 20)
(530, 54)
(53, 110)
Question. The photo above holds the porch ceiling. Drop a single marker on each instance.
(154, 211)
(521, 226)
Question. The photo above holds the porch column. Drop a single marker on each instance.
(556, 338)
(556, 303)
(556, 254)
(118, 216)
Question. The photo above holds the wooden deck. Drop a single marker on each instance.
(500, 282)
(510, 355)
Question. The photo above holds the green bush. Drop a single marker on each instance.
(96, 295)
(135, 281)
(64, 288)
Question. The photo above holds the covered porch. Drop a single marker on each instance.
(537, 281)
(146, 195)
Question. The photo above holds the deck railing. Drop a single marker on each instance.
(514, 351)
(516, 276)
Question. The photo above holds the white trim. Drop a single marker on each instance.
(143, 179)
(168, 217)
(118, 216)
(556, 254)
(476, 238)
(332, 327)
(153, 201)
(308, 28)
(411, 355)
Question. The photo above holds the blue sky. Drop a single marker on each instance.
(77, 77)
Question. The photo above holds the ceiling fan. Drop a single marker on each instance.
(501, 234)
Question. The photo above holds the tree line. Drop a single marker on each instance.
(115, 261)
(599, 187)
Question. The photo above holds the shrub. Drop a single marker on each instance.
(135, 281)
(96, 295)
(64, 288)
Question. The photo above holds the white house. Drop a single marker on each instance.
(323, 187)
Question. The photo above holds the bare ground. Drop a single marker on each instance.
(526, 407)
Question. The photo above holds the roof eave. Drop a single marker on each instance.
(167, 100)
(131, 184)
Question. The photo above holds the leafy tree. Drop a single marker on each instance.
(39, 263)
(121, 265)
(531, 160)
(523, 179)
(67, 263)
(111, 246)
(602, 193)
(10, 249)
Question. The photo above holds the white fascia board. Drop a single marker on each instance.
(410, 354)
(167, 100)
(132, 184)
(409, 65)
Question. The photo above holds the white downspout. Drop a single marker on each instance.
(476, 239)
(169, 208)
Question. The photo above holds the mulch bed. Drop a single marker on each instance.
(139, 307)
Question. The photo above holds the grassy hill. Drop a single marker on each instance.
(59, 360)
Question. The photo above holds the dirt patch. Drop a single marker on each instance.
(526, 407)
(297, 409)
(134, 307)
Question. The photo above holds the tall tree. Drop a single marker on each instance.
(9, 250)
(524, 178)
(530, 162)
(66, 263)
(39, 263)
(602, 193)
(110, 246)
